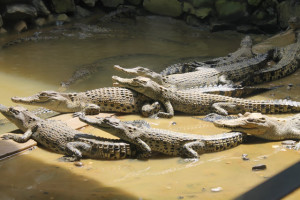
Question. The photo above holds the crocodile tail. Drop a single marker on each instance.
(273, 107)
(224, 141)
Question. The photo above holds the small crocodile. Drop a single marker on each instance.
(287, 62)
(149, 139)
(60, 138)
(107, 99)
(244, 52)
(84, 71)
(259, 125)
(202, 103)
(35, 37)
(204, 75)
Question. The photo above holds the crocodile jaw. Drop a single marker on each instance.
(31, 100)
(3, 109)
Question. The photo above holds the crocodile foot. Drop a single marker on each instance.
(67, 159)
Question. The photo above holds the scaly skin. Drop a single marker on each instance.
(204, 75)
(60, 138)
(230, 90)
(148, 139)
(259, 125)
(287, 62)
(244, 52)
(108, 99)
(201, 103)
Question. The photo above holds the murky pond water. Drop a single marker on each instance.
(151, 42)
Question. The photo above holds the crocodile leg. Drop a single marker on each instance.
(89, 109)
(170, 110)
(75, 149)
(19, 138)
(150, 109)
(189, 151)
(219, 107)
(144, 148)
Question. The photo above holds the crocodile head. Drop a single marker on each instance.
(111, 125)
(20, 116)
(141, 71)
(250, 123)
(142, 85)
(57, 101)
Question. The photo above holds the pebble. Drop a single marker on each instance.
(173, 123)
(78, 164)
(180, 197)
(245, 157)
(259, 167)
(217, 189)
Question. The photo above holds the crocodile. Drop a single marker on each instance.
(149, 139)
(262, 126)
(204, 75)
(202, 103)
(107, 99)
(287, 62)
(244, 52)
(35, 37)
(60, 138)
(84, 71)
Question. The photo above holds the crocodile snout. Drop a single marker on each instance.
(3, 108)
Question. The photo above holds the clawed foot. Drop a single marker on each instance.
(7, 137)
(78, 114)
(297, 147)
(143, 156)
(67, 159)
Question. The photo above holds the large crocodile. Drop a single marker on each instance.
(60, 138)
(204, 75)
(107, 99)
(244, 52)
(287, 62)
(259, 125)
(202, 103)
(149, 139)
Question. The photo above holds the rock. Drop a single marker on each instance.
(233, 11)
(20, 26)
(78, 164)
(245, 157)
(217, 189)
(40, 21)
(201, 3)
(259, 167)
(135, 2)
(62, 18)
(170, 8)
(41, 7)
(1, 21)
(203, 12)
(81, 12)
(19, 12)
(200, 13)
(285, 11)
(112, 3)
(254, 2)
(90, 3)
(2, 30)
(63, 6)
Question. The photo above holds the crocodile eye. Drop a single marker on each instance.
(250, 120)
